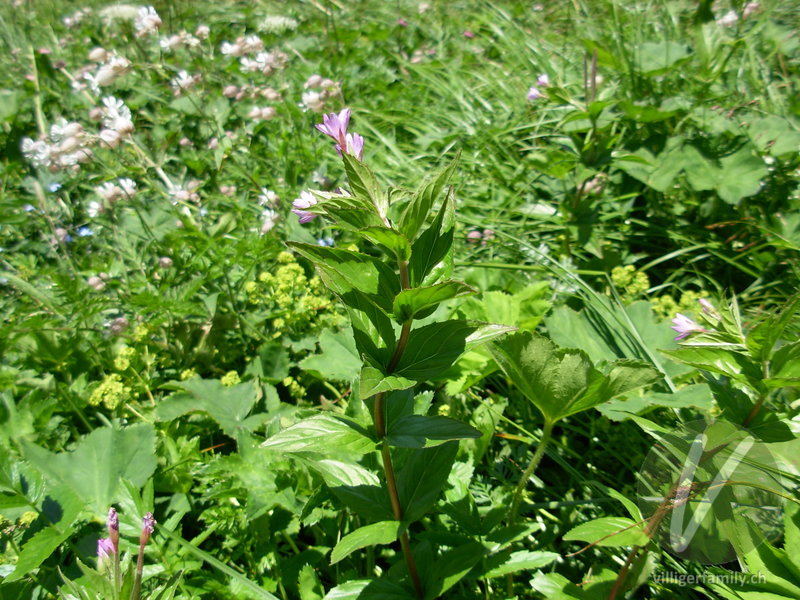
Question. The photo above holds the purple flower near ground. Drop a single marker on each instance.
(306, 200)
(335, 126)
(683, 325)
(708, 308)
(534, 94)
(543, 80)
(148, 523)
(105, 549)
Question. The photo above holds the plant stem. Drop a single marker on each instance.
(523, 482)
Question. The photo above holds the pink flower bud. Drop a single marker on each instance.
(313, 82)
(165, 262)
(230, 91)
(96, 283)
(98, 55)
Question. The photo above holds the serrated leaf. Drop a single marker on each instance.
(408, 304)
(418, 431)
(37, 550)
(374, 381)
(653, 58)
(338, 358)
(322, 434)
(433, 348)
(422, 478)
(609, 531)
(95, 469)
(343, 271)
(376, 534)
(364, 183)
(228, 406)
(522, 560)
(561, 382)
(420, 204)
(431, 252)
(392, 241)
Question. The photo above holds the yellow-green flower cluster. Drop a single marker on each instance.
(295, 389)
(124, 357)
(629, 281)
(188, 374)
(289, 292)
(667, 307)
(230, 379)
(111, 392)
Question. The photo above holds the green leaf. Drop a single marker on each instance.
(430, 253)
(654, 58)
(522, 560)
(37, 550)
(373, 331)
(785, 366)
(349, 212)
(363, 183)
(390, 240)
(374, 381)
(435, 347)
(228, 406)
(420, 204)
(561, 382)
(417, 431)
(376, 534)
(344, 270)
(271, 364)
(742, 174)
(408, 304)
(735, 365)
(102, 459)
(322, 434)
(338, 358)
(556, 587)
(609, 531)
(370, 589)
(422, 478)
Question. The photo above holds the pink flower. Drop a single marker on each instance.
(683, 325)
(355, 146)
(105, 549)
(534, 94)
(306, 200)
(335, 126)
(469, 34)
(543, 80)
(402, 22)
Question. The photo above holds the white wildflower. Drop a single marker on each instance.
(147, 21)
(278, 24)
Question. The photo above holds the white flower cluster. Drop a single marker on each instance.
(117, 122)
(110, 192)
(266, 113)
(183, 81)
(268, 220)
(76, 17)
(147, 21)
(251, 91)
(66, 147)
(264, 62)
(319, 90)
(112, 67)
(243, 45)
(278, 24)
(184, 39)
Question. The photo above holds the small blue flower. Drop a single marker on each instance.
(326, 241)
(29, 208)
(85, 231)
(54, 187)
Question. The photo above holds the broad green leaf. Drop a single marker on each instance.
(418, 431)
(370, 589)
(344, 270)
(408, 304)
(376, 534)
(228, 406)
(363, 183)
(554, 586)
(420, 204)
(422, 478)
(373, 330)
(389, 239)
(775, 135)
(103, 458)
(735, 365)
(349, 212)
(453, 565)
(322, 434)
(338, 358)
(609, 531)
(435, 347)
(785, 366)
(37, 550)
(561, 382)
(653, 58)
(431, 251)
(523, 560)
(308, 584)
(761, 338)
(695, 396)
(743, 172)
(374, 381)
(271, 364)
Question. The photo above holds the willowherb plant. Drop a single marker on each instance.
(401, 279)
